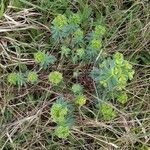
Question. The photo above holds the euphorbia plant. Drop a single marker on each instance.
(113, 73)
(74, 42)
(16, 78)
(61, 114)
(44, 59)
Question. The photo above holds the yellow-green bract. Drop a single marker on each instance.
(80, 100)
(55, 77)
(39, 57)
(12, 78)
(32, 77)
(59, 112)
(99, 31)
(60, 21)
(107, 111)
(96, 44)
(62, 131)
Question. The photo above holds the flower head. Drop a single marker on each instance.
(80, 100)
(32, 77)
(55, 77)
(60, 21)
(12, 78)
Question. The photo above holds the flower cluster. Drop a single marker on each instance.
(61, 114)
(75, 43)
(114, 73)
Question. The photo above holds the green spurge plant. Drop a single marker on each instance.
(59, 111)
(16, 78)
(95, 40)
(43, 59)
(114, 73)
(62, 115)
(62, 26)
(75, 43)
(74, 21)
(59, 27)
(78, 37)
(80, 98)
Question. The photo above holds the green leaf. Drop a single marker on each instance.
(2, 8)
(86, 12)
(20, 79)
